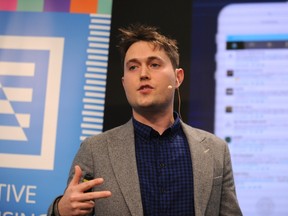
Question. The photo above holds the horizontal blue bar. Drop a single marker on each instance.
(8, 120)
(266, 37)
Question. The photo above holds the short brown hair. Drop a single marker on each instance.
(138, 32)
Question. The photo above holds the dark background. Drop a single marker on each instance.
(193, 23)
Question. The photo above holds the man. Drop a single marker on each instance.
(154, 164)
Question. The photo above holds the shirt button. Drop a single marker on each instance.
(162, 165)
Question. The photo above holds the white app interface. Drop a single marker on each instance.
(251, 107)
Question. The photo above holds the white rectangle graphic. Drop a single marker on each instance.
(55, 46)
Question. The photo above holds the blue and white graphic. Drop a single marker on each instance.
(53, 69)
(29, 107)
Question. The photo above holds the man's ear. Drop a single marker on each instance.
(179, 76)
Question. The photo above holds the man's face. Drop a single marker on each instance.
(148, 73)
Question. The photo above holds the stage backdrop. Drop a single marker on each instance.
(53, 67)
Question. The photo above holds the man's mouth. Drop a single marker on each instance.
(143, 87)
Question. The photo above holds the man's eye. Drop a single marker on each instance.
(133, 67)
(155, 65)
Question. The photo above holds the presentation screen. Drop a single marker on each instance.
(250, 80)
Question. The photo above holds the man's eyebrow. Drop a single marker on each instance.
(150, 58)
(132, 60)
(154, 58)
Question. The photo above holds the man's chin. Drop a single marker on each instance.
(148, 108)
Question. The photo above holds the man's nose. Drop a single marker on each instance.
(145, 73)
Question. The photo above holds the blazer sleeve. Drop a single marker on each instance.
(222, 200)
(229, 204)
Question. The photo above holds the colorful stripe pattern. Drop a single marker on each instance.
(68, 6)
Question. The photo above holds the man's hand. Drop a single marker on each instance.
(75, 201)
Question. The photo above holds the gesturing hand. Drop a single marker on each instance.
(75, 201)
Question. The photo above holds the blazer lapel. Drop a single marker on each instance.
(123, 159)
(202, 162)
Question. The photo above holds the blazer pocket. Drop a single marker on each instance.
(217, 180)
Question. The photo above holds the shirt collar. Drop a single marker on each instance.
(148, 132)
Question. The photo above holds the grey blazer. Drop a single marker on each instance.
(111, 155)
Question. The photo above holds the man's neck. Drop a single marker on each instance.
(158, 121)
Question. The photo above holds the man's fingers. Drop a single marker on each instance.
(95, 195)
(85, 186)
(103, 194)
(77, 175)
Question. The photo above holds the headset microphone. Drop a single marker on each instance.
(179, 97)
